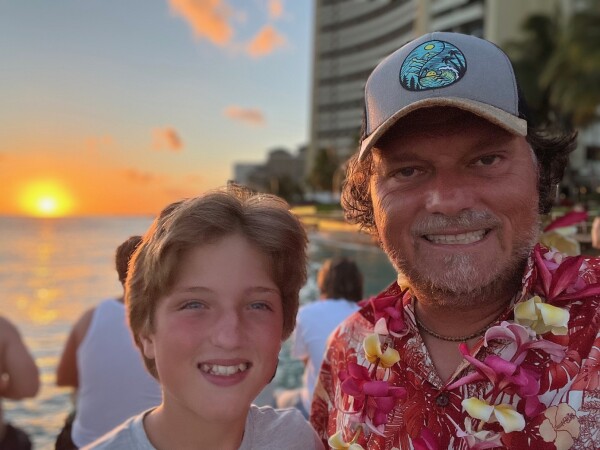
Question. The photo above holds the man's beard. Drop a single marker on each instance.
(455, 286)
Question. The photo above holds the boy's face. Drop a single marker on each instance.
(218, 333)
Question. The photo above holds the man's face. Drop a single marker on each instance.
(455, 202)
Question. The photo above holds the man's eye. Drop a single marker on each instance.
(487, 160)
(406, 172)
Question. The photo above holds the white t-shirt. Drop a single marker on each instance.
(113, 381)
(314, 324)
(266, 429)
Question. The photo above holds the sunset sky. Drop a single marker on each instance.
(113, 107)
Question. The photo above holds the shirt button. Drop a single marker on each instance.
(442, 400)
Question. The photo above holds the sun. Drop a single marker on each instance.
(46, 199)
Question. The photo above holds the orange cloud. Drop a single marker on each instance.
(209, 19)
(266, 41)
(275, 9)
(249, 116)
(166, 138)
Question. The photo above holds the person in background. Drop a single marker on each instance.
(19, 379)
(340, 284)
(211, 295)
(100, 360)
(596, 233)
(486, 339)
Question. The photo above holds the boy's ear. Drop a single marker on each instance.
(147, 341)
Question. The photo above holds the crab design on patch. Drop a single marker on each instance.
(433, 64)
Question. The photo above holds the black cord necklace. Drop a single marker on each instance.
(454, 338)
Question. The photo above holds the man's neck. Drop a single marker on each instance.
(460, 315)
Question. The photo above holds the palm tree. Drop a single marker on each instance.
(574, 70)
(558, 66)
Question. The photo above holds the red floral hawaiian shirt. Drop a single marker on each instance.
(533, 380)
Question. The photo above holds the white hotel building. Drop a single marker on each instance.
(352, 36)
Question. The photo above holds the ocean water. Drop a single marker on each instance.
(52, 270)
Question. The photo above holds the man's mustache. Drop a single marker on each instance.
(468, 220)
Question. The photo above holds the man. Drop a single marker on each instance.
(596, 233)
(101, 361)
(486, 340)
(19, 379)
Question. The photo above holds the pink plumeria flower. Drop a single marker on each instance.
(505, 376)
(382, 399)
(522, 339)
(504, 414)
(563, 283)
(391, 310)
(353, 380)
(374, 354)
(542, 317)
(478, 440)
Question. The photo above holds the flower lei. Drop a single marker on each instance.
(559, 281)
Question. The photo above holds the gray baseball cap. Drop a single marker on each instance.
(443, 69)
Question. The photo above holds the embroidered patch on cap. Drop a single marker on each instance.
(432, 65)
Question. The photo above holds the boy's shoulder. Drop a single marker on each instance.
(130, 435)
(278, 428)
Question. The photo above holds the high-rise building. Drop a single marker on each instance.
(352, 36)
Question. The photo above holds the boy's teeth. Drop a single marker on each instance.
(463, 238)
(215, 369)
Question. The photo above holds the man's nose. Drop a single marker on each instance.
(449, 193)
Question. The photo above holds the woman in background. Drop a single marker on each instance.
(340, 284)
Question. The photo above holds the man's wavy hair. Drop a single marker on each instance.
(551, 149)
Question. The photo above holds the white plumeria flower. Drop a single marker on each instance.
(373, 352)
(542, 317)
(504, 414)
(336, 442)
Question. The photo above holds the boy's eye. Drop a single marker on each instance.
(193, 305)
(261, 306)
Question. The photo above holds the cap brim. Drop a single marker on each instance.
(499, 117)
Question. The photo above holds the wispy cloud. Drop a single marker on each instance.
(209, 19)
(140, 177)
(166, 138)
(275, 9)
(266, 41)
(249, 116)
